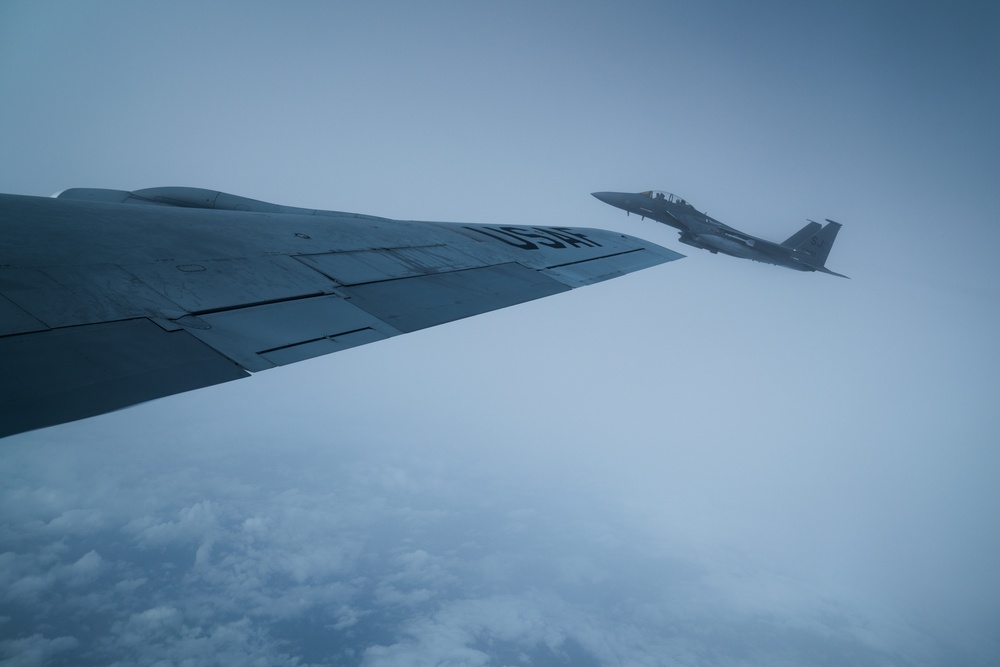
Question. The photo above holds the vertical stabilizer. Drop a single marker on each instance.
(803, 234)
(816, 248)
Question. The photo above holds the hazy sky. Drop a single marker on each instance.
(711, 462)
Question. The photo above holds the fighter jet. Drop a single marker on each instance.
(805, 250)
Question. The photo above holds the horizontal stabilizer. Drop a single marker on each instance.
(832, 273)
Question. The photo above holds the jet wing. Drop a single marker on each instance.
(110, 298)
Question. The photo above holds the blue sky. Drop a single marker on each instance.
(708, 462)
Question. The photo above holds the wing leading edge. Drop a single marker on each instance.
(110, 298)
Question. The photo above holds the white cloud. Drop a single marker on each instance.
(77, 522)
(30, 586)
(389, 596)
(34, 650)
(160, 636)
(130, 585)
(83, 571)
(192, 524)
(149, 626)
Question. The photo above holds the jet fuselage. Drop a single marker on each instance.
(806, 250)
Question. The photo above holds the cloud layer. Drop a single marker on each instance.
(332, 553)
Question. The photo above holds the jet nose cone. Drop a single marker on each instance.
(616, 199)
(613, 198)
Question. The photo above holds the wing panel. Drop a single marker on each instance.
(351, 268)
(366, 266)
(14, 320)
(316, 348)
(227, 283)
(435, 259)
(52, 377)
(69, 295)
(254, 336)
(596, 270)
(425, 301)
(548, 248)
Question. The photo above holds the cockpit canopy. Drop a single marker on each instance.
(660, 194)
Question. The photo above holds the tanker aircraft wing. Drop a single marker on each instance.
(109, 298)
(805, 250)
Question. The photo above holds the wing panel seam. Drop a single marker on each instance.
(594, 259)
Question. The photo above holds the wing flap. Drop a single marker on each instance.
(326, 345)
(61, 375)
(424, 301)
(261, 337)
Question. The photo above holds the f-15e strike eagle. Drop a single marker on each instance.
(805, 250)
(109, 298)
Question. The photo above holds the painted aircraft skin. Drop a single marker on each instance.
(109, 298)
(805, 250)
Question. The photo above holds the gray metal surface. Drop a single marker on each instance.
(109, 297)
(252, 336)
(65, 374)
(426, 301)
